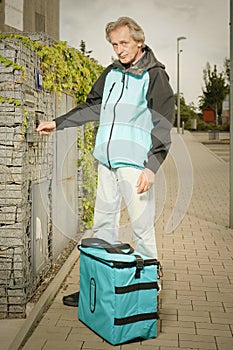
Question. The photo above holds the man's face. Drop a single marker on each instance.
(127, 49)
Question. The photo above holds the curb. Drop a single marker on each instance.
(44, 302)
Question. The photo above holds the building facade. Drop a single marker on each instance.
(30, 16)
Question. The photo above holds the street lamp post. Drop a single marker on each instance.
(231, 114)
(178, 81)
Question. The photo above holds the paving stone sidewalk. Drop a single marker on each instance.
(196, 302)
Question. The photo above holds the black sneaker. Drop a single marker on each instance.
(71, 299)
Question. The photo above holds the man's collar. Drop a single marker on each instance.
(135, 62)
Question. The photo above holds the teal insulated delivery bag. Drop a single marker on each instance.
(118, 291)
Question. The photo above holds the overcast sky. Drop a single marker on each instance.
(205, 23)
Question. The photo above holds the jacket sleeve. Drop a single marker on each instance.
(87, 111)
(161, 103)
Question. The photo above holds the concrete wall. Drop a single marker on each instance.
(64, 183)
(31, 16)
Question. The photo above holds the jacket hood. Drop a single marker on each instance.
(146, 62)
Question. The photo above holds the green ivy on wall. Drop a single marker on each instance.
(66, 69)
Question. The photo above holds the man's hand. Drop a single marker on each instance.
(145, 181)
(45, 128)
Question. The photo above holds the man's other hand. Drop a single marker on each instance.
(145, 181)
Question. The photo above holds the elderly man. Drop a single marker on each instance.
(133, 102)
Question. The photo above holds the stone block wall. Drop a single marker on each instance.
(26, 160)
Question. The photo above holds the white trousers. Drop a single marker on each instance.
(113, 186)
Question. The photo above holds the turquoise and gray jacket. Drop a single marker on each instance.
(135, 110)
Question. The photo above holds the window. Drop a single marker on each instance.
(40, 23)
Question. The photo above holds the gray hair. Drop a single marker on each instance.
(135, 30)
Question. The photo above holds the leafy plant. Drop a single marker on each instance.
(67, 70)
(89, 172)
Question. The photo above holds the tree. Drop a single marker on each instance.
(83, 49)
(226, 66)
(86, 53)
(215, 90)
(187, 112)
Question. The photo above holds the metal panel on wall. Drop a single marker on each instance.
(40, 217)
(64, 184)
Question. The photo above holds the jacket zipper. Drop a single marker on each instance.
(114, 116)
(109, 94)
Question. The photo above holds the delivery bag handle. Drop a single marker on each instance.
(113, 248)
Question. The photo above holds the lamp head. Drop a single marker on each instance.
(181, 38)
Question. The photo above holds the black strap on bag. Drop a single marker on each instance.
(139, 265)
(116, 248)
